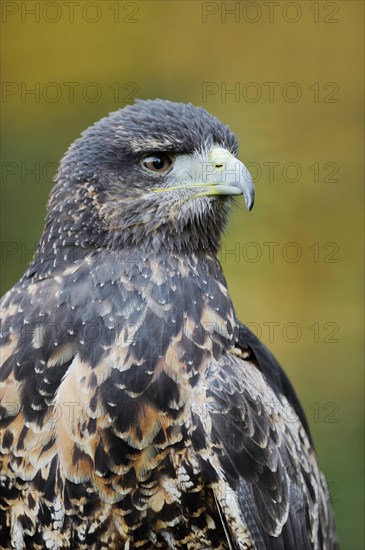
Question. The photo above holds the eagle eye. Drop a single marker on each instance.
(159, 162)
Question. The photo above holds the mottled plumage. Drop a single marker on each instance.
(136, 411)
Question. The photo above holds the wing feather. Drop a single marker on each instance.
(258, 442)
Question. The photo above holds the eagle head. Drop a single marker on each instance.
(153, 175)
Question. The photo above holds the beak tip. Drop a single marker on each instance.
(249, 200)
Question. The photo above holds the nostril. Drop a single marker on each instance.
(218, 165)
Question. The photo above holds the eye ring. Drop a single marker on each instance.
(159, 163)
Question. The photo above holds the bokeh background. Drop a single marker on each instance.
(288, 78)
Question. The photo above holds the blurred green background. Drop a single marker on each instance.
(295, 73)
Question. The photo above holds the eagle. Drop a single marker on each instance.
(136, 410)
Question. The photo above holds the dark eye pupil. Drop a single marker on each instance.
(158, 163)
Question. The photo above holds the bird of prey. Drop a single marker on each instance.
(136, 410)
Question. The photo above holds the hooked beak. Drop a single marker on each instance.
(222, 174)
(231, 176)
